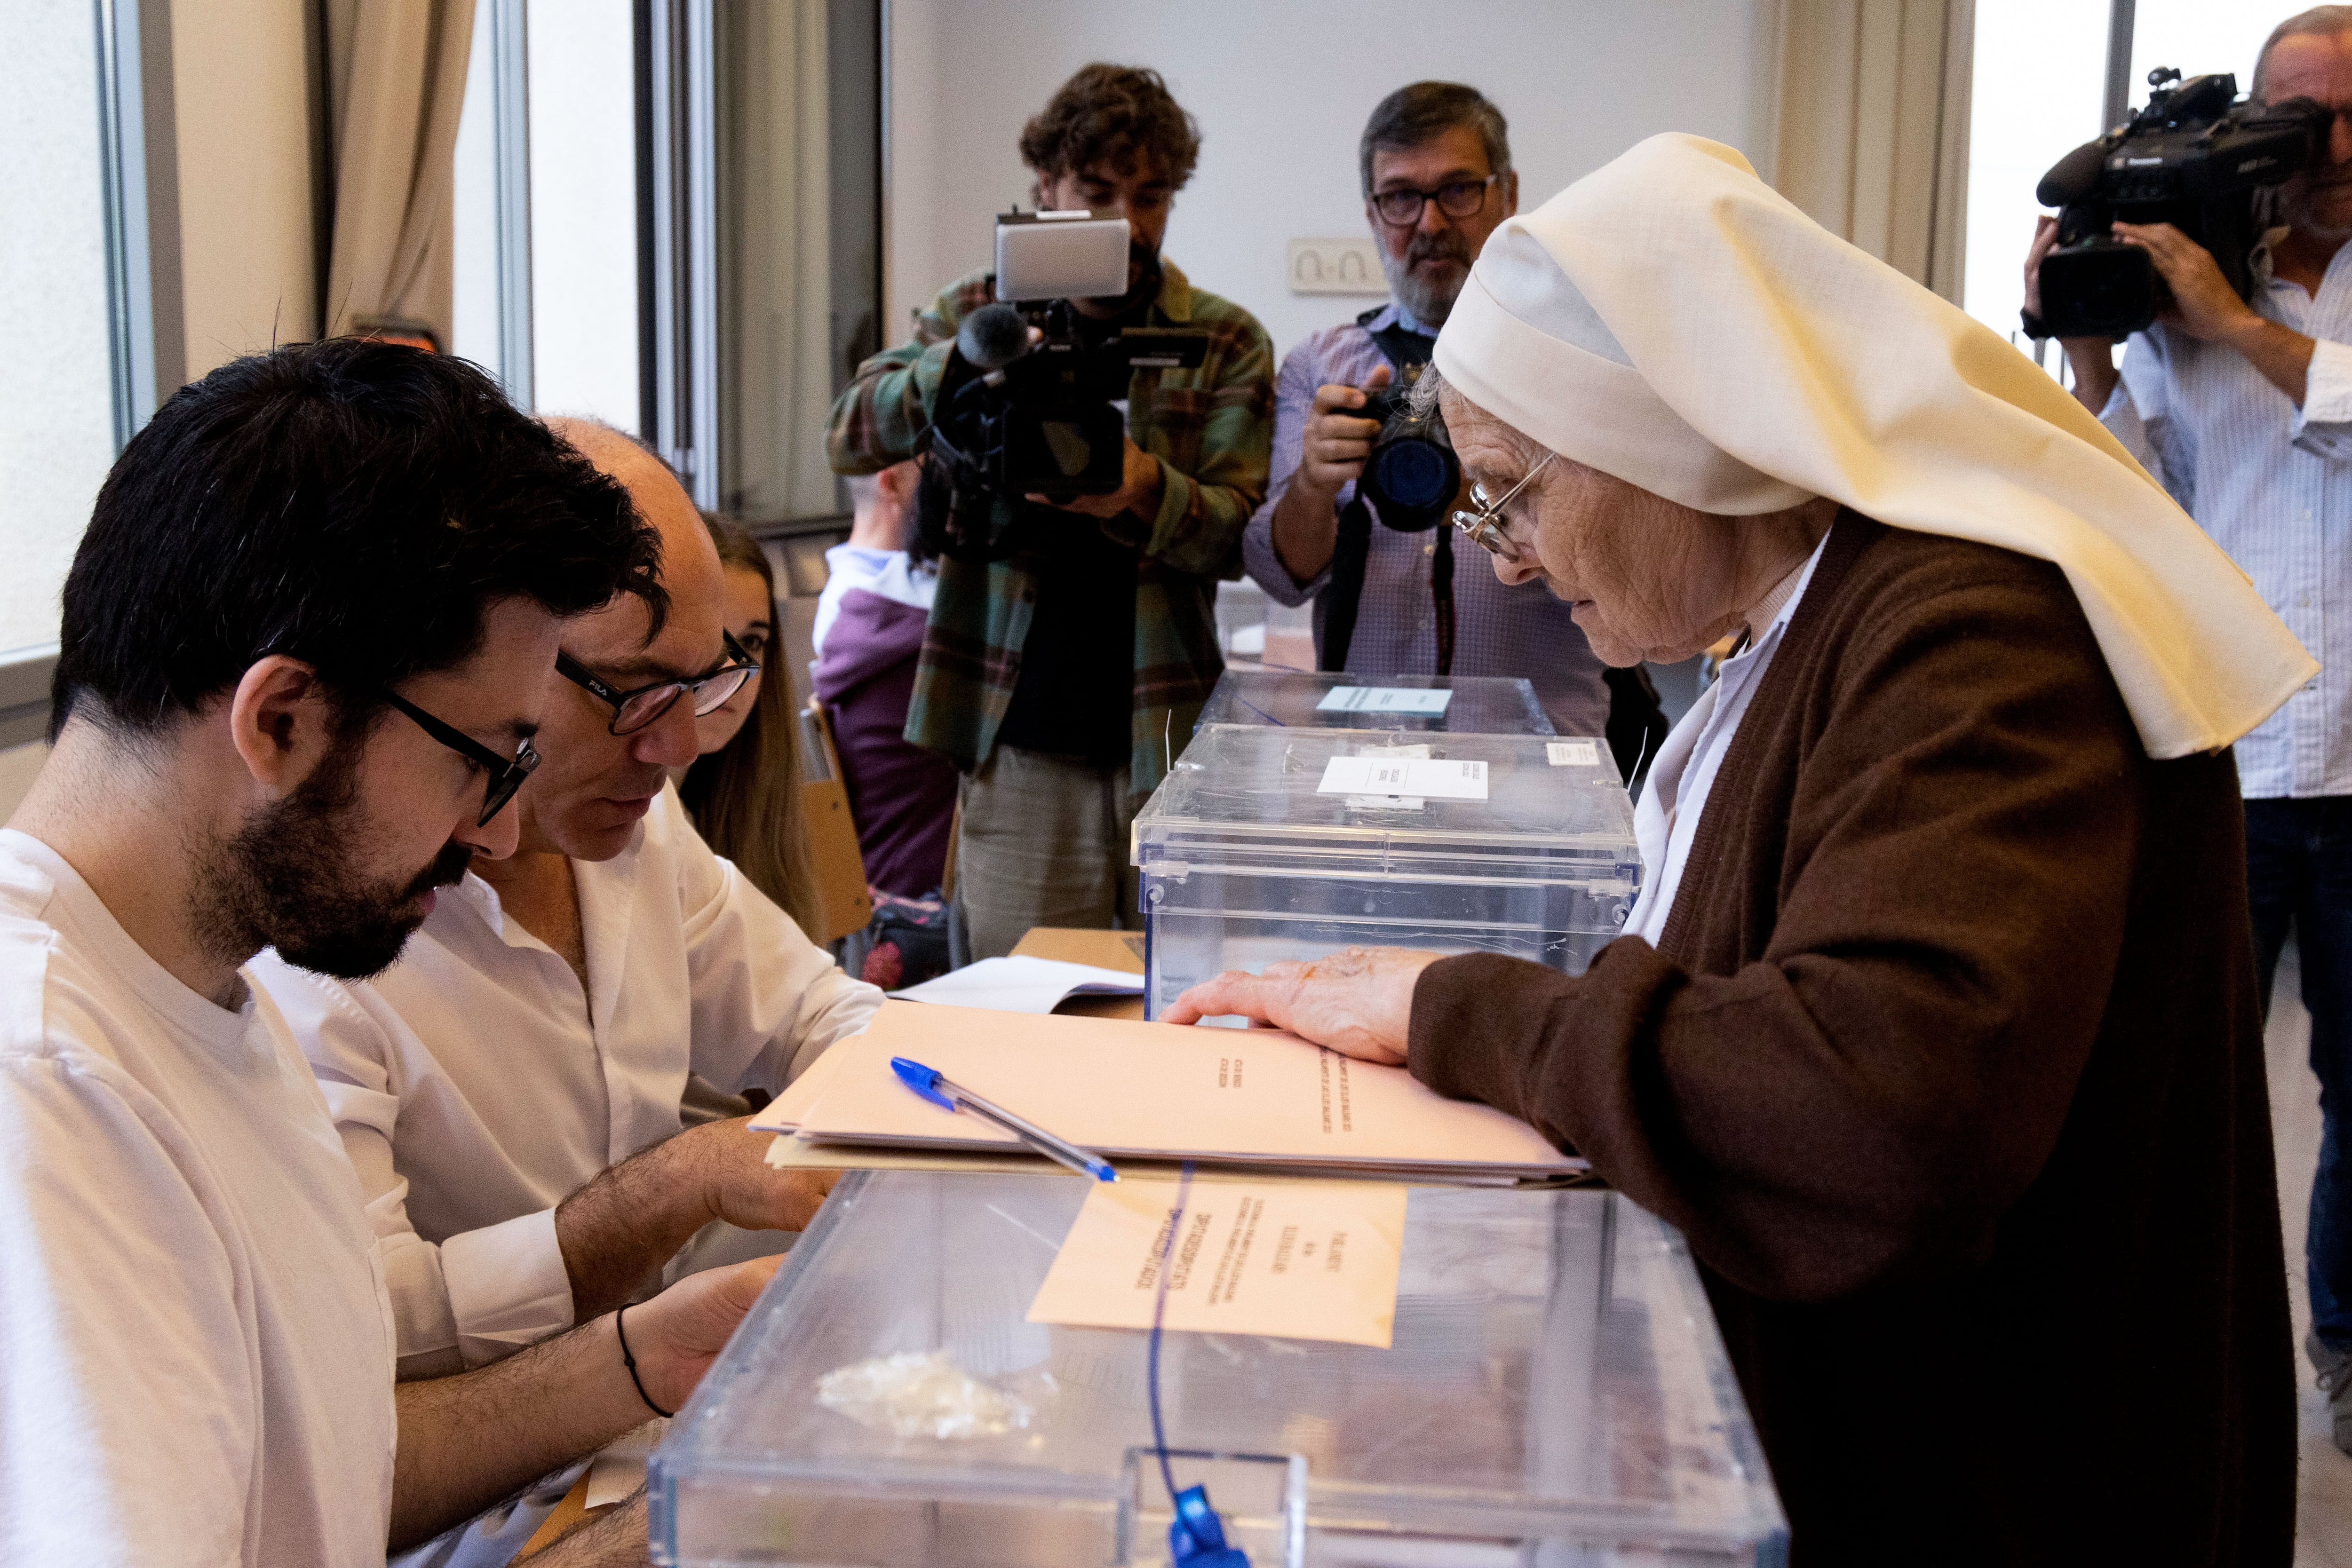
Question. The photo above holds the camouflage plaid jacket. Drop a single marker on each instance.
(1212, 430)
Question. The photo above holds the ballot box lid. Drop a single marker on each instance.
(1239, 784)
(1556, 1392)
(1312, 699)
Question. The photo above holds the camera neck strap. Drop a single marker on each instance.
(1403, 349)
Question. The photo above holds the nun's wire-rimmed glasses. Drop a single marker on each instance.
(1485, 525)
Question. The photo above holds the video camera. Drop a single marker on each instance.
(1033, 412)
(2193, 158)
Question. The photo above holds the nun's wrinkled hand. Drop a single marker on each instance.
(1358, 1002)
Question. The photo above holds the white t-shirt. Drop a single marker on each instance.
(883, 571)
(195, 1348)
(1666, 819)
(476, 1086)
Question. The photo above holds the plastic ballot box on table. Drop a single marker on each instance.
(1555, 1394)
(1301, 699)
(1265, 843)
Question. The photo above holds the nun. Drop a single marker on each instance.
(1934, 1027)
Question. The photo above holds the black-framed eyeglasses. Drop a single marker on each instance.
(1485, 525)
(633, 710)
(1455, 198)
(505, 774)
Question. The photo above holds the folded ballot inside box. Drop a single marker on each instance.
(1267, 843)
(1462, 704)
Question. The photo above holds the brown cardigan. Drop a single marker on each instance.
(1949, 1066)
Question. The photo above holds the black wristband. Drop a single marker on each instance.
(631, 1362)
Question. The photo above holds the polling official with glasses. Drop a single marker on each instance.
(1434, 163)
(510, 1089)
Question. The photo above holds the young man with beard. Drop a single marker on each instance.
(2243, 408)
(305, 645)
(1435, 163)
(510, 1090)
(1070, 649)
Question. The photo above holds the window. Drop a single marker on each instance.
(57, 401)
(2040, 89)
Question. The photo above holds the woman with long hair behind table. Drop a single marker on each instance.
(744, 791)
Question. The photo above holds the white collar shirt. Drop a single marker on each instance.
(197, 1350)
(476, 1086)
(2272, 483)
(1667, 818)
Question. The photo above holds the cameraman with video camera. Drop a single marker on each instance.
(1435, 166)
(1073, 641)
(2243, 407)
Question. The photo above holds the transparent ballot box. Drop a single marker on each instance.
(1556, 1396)
(1300, 699)
(1247, 856)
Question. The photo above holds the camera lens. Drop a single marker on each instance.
(1412, 474)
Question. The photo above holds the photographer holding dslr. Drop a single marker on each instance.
(1435, 166)
(1072, 637)
(2241, 404)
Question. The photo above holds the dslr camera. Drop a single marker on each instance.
(1412, 475)
(2193, 158)
(1039, 407)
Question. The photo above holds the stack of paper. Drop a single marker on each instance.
(1020, 985)
(1255, 1098)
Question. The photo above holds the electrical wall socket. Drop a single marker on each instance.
(1337, 267)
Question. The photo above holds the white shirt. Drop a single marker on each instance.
(2273, 484)
(476, 1086)
(196, 1354)
(1666, 819)
(882, 571)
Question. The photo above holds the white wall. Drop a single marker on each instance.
(1281, 90)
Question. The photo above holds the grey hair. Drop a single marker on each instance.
(2320, 21)
(1421, 401)
(1416, 115)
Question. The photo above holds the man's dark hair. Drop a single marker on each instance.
(2320, 21)
(1416, 115)
(353, 504)
(1111, 116)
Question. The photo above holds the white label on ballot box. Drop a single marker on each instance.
(1418, 701)
(1572, 753)
(1444, 778)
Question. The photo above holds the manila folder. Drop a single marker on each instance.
(1157, 1091)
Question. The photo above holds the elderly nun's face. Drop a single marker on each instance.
(1646, 577)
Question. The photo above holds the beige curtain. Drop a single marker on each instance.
(1869, 129)
(395, 81)
(776, 325)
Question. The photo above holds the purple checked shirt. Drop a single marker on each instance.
(1498, 630)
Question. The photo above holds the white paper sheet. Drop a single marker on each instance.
(1420, 702)
(1021, 985)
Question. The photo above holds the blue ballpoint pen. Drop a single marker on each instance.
(927, 1083)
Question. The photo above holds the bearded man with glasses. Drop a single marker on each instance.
(1435, 166)
(510, 1091)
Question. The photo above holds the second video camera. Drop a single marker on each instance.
(2193, 158)
(1412, 476)
(1038, 415)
